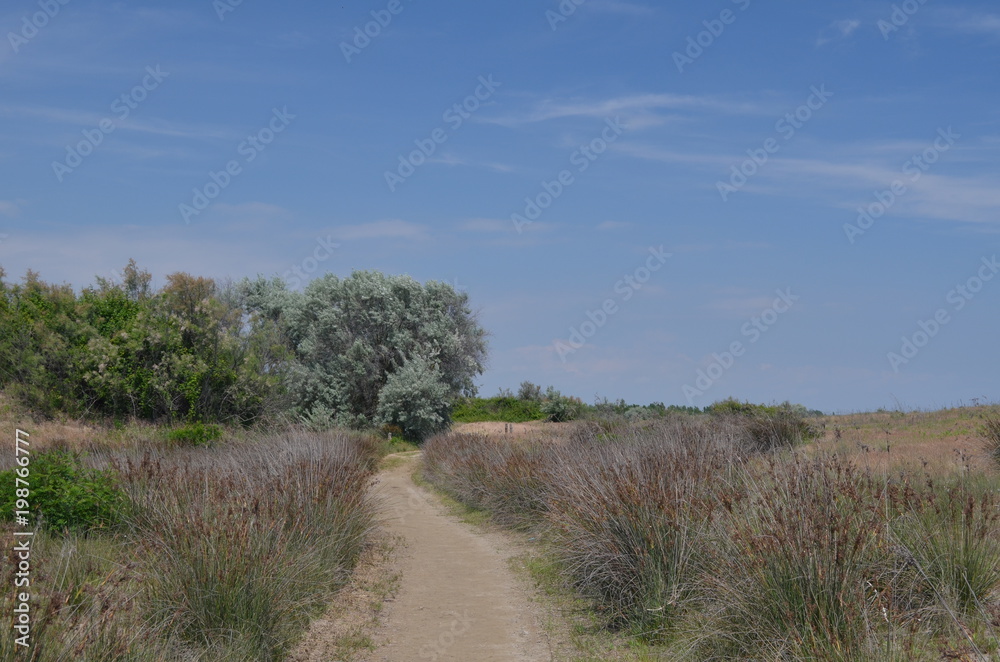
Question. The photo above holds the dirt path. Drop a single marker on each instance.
(457, 597)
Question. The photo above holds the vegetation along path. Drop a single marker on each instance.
(457, 598)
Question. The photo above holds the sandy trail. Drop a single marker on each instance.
(457, 599)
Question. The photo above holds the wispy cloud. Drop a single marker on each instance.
(971, 199)
(91, 119)
(648, 108)
(837, 31)
(968, 22)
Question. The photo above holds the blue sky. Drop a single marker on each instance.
(652, 201)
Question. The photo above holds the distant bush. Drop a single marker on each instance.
(503, 409)
(558, 408)
(195, 434)
(529, 391)
(63, 494)
(767, 427)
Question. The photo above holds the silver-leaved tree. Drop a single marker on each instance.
(373, 349)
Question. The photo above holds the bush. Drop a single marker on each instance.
(503, 409)
(195, 434)
(559, 408)
(185, 352)
(415, 399)
(767, 427)
(529, 391)
(63, 494)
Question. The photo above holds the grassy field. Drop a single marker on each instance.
(159, 550)
(879, 539)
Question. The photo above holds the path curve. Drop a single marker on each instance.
(458, 598)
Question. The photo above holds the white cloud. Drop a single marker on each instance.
(968, 22)
(92, 119)
(645, 108)
(837, 31)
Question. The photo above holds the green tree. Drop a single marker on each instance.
(350, 336)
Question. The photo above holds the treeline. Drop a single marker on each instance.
(532, 403)
(361, 351)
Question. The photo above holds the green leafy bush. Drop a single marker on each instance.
(63, 493)
(195, 434)
(415, 399)
(349, 336)
(189, 351)
(504, 409)
(559, 408)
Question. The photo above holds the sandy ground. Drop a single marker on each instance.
(457, 598)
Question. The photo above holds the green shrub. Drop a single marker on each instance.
(503, 409)
(63, 493)
(415, 399)
(190, 351)
(195, 434)
(559, 408)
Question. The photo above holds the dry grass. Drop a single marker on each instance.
(224, 553)
(941, 442)
(686, 536)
